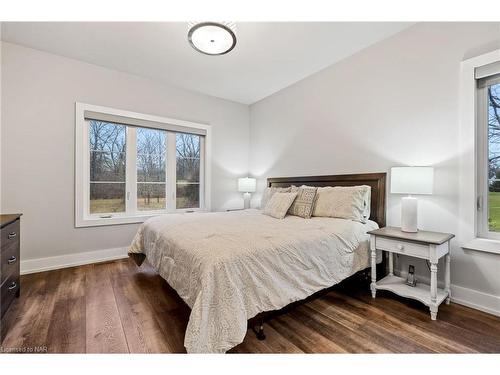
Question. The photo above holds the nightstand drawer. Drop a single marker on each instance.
(402, 247)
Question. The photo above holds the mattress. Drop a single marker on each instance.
(230, 266)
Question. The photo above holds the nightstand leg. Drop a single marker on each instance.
(391, 263)
(433, 307)
(434, 311)
(447, 281)
(374, 266)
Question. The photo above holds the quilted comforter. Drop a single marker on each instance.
(230, 266)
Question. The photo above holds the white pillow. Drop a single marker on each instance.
(345, 202)
(279, 204)
(269, 192)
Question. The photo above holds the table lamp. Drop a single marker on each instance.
(246, 185)
(411, 180)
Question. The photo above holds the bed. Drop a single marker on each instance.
(232, 266)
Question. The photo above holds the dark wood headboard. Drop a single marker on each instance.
(375, 180)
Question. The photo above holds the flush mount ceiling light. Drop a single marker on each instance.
(212, 38)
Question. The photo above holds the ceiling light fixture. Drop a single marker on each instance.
(212, 38)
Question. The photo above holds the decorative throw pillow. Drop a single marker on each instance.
(269, 192)
(345, 202)
(279, 204)
(304, 203)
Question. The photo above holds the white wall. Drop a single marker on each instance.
(39, 94)
(394, 103)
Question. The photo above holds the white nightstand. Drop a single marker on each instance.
(430, 246)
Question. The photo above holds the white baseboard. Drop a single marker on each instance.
(477, 300)
(488, 303)
(71, 260)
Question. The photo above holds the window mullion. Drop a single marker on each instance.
(131, 171)
(482, 208)
(86, 169)
(201, 178)
(171, 172)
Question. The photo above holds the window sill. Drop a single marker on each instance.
(483, 244)
(119, 220)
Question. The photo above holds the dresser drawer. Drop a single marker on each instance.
(8, 292)
(9, 253)
(402, 247)
(9, 262)
(9, 236)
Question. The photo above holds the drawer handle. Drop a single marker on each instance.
(13, 286)
(11, 260)
(12, 235)
(400, 247)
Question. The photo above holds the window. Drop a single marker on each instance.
(188, 170)
(151, 164)
(131, 166)
(488, 158)
(107, 167)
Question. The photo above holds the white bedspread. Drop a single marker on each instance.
(230, 266)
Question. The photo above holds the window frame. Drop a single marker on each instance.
(482, 165)
(83, 218)
(467, 226)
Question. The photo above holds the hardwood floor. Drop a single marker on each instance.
(117, 307)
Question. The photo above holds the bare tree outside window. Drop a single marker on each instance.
(107, 143)
(107, 167)
(151, 169)
(494, 157)
(188, 170)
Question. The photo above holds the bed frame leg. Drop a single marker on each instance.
(259, 331)
(367, 275)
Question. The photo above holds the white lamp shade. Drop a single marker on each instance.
(246, 185)
(412, 180)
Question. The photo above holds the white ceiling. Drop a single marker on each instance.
(267, 56)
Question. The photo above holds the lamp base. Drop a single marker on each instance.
(246, 200)
(409, 219)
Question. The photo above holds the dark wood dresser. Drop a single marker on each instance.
(9, 264)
